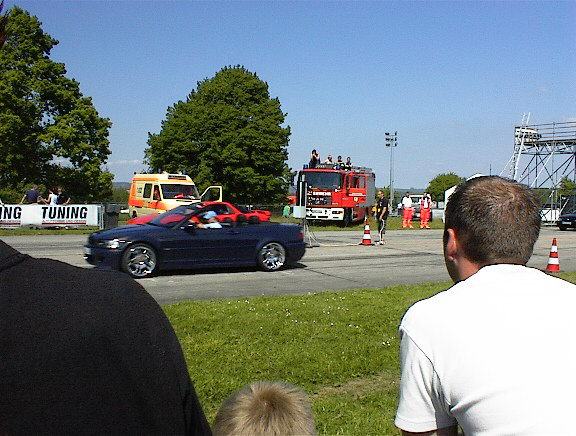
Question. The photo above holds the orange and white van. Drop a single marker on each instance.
(157, 193)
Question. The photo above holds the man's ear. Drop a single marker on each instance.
(451, 253)
(458, 265)
(451, 244)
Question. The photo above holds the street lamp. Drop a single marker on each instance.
(391, 141)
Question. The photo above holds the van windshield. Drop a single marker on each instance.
(187, 192)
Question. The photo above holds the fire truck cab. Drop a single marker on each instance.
(335, 194)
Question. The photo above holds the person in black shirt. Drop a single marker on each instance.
(314, 159)
(88, 352)
(348, 164)
(62, 199)
(382, 212)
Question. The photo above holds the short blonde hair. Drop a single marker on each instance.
(265, 408)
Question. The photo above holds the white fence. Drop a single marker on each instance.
(39, 215)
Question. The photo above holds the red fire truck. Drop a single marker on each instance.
(338, 195)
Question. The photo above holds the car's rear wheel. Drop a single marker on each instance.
(271, 256)
(253, 220)
(139, 260)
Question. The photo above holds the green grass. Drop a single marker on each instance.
(340, 347)
(23, 231)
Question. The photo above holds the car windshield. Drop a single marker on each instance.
(171, 190)
(242, 208)
(173, 216)
(323, 180)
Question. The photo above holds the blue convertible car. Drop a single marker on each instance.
(173, 240)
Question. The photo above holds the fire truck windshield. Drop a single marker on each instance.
(322, 180)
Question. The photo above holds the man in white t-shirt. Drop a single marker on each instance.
(407, 211)
(209, 221)
(495, 353)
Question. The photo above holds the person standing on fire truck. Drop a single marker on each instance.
(425, 209)
(407, 211)
(314, 159)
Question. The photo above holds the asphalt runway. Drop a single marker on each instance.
(339, 263)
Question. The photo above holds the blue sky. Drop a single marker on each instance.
(453, 78)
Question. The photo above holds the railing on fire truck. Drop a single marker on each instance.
(339, 167)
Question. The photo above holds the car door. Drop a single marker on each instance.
(246, 239)
(231, 245)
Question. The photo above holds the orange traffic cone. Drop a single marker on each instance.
(366, 239)
(553, 262)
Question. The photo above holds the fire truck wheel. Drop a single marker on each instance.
(271, 256)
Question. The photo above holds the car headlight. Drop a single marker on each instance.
(113, 243)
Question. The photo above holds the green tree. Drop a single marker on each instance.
(49, 132)
(229, 132)
(441, 183)
(567, 186)
(120, 195)
(3, 25)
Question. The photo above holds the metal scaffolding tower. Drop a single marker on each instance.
(543, 155)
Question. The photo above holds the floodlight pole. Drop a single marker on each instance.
(391, 141)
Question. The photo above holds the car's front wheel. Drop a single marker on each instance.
(139, 260)
(561, 227)
(271, 256)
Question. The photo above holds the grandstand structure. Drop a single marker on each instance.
(543, 155)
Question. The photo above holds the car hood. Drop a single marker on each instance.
(568, 216)
(126, 231)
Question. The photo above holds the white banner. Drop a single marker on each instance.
(40, 215)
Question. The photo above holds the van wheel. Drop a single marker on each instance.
(134, 215)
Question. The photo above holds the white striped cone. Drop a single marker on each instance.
(366, 239)
(553, 261)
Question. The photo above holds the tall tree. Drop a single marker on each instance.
(567, 186)
(441, 183)
(229, 132)
(49, 132)
(3, 25)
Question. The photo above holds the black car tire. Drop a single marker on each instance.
(227, 220)
(272, 256)
(254, 220)
(562, 228)
(139, 261)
